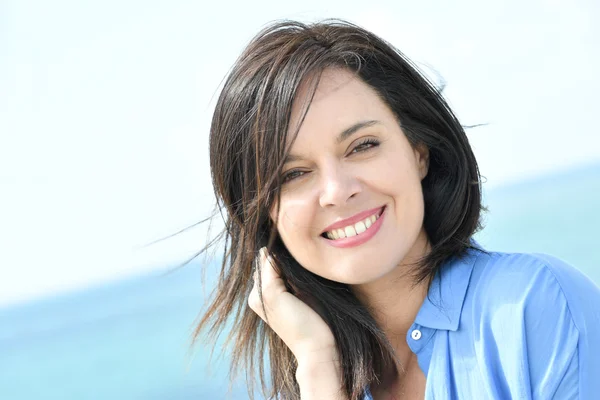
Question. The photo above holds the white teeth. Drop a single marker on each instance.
(360, 227)
(350, 231)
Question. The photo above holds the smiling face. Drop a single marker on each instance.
(351, 205)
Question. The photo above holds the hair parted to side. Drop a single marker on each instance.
(248, 143)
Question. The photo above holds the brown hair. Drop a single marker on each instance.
(248, 139)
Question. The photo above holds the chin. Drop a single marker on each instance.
(360, 273)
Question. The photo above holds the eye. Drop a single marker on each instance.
(365, 145)
(292, 174)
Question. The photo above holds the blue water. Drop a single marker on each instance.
(130, 340)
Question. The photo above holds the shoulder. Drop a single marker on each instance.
(531, 284)
(537, 319)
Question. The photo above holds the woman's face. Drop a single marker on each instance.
(351, 205)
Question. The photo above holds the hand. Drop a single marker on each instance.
(303, 330)
(299, 326)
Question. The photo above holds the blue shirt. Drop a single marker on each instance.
(508, 326)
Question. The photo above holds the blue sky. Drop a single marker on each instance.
(105, 109)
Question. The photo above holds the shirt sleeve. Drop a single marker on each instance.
(525, 336)
(551, 340)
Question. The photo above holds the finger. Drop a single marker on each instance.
(272, 284)
(254, 299)
(256, 268)
(269, 273)
(264, 277)
(266, 291)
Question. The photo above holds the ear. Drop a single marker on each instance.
(422, 158)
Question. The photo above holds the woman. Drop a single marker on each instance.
(351, 196)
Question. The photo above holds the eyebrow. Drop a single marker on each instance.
(345, 134)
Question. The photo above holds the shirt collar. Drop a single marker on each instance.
(442, 307)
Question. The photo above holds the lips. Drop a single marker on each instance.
(355, 237)
(354, 225)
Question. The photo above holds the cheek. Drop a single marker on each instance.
(296, 226)
(391, 177)
(295, 221)
(400, 182)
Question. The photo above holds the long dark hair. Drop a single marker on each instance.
(248, 139)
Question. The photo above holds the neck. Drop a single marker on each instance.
(394, 298)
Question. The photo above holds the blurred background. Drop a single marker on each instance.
(104, 116)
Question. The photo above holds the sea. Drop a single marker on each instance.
(131, 339)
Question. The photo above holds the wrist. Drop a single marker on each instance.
(319, 377)
(309, 368)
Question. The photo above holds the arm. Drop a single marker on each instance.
(528, 341)
(319, 378)
(552, 341)
(303, 331)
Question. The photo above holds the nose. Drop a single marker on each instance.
(338, 185)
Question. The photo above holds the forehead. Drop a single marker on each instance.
(340, 100)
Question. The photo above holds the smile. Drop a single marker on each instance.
(352, 230)
(355, 230)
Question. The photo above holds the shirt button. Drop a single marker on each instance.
(416, 334)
